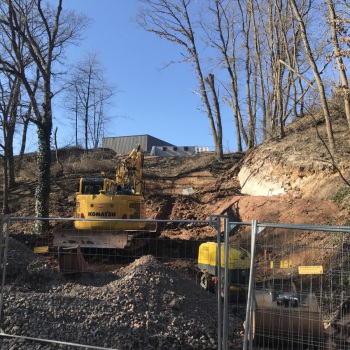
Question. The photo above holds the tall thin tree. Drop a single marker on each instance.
(317, 75)
(172, 20)
(45, 31)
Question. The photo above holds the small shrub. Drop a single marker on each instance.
(28, 172)
(341, 194)
(337, 105)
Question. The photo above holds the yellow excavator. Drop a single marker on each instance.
(121, 205)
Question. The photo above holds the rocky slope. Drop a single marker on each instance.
(296, 180)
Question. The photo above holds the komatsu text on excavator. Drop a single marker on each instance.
(102, 198)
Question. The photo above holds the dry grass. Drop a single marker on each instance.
(71, 161)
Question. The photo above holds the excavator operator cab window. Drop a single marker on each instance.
(92, 189)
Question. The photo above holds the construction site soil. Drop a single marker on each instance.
(137, 305)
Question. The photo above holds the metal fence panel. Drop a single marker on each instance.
(300, 288)
(150, 298)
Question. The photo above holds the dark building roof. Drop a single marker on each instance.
(125, 144)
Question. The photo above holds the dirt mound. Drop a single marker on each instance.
(24, 266)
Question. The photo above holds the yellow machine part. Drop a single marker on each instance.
(238, 265)
(238, 257)
(106, 206)
(108, 215)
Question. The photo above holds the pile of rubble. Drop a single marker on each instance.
(145, 305)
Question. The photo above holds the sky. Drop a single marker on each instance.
(150, 99)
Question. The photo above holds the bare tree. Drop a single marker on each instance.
(173, 21)
(210, 80)
(25, 118)
(11, 106)
(316, 72)
(88, 97)
(8, 106)
(221, 35)
(250, 78)
(9, 103)
(338, 33)
(254, 11)
(275, 38)
(251, 38)
(100, 117)
(45, 31)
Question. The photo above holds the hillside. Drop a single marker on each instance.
(291, 180)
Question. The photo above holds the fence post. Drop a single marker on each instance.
(218, 282)
(1, 237)
(226, 284)
(215, 221)
(250, 301)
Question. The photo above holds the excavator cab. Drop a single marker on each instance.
(91, 185)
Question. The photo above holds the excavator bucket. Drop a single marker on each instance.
(338, 332)
(287, 317)
(71, 261)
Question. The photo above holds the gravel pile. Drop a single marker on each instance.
(145, 305)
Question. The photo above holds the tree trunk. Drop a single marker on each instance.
(248, 75)
(218, 146)
(258, 56)
(87, 104)
(341, 67)
(76, 120)
(42, 192)
(11, 164)
(23, 143)
(5, 201)
(317, 76)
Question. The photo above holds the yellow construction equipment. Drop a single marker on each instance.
(102, 198)
(238, 265)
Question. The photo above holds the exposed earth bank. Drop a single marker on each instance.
(292, 180)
